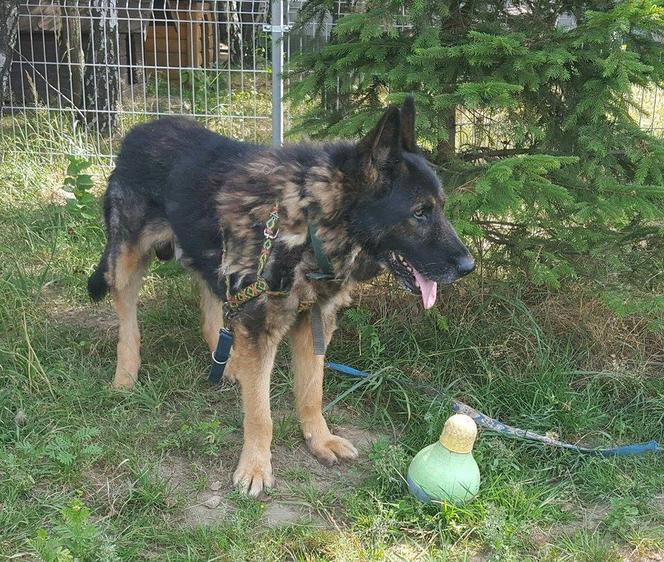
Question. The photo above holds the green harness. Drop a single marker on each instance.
(326, 270)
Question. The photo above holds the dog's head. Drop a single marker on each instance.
(399, 216)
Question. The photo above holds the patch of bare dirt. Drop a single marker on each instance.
(300, 477)
(207, 513)
(589, 520)
(641, 554)
(109, 485)
(343, 475)
(363, 439)
(200, 492)
(281, 513)
(202, 507)
(89, 316)
(96, 318)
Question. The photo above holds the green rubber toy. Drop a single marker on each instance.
(446, 470)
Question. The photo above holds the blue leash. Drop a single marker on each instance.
(492, 424)
(221, 354)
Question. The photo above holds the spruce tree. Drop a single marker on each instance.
(554, 180)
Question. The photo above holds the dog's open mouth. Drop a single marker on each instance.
(412, 280)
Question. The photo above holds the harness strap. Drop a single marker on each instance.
(325, 273)
(259, 286)
(326, 269)
(317, 334)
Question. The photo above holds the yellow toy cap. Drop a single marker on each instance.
(459, 434)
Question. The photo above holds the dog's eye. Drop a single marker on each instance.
(420, 212)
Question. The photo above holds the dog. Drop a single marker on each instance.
(375, 205)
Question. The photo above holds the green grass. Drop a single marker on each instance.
(100, 475)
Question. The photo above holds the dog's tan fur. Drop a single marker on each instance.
(129, 268)
(253, 360)
(308, 381)
(212, 315)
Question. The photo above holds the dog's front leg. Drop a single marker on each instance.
(308, 375)
(254, 358)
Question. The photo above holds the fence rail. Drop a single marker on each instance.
(83, 73)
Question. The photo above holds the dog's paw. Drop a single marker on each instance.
(329, 449)
(123, 382)
(253, 473)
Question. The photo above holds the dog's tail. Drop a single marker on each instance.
(97, 284)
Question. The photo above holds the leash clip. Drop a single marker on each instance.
(223, 351)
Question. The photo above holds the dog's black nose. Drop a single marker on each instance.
(465, 265)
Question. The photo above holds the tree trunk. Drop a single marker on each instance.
(332, 98)
(453, 26)
(71, 52)
(102, 77)
(237, 21)
(250, 30)
(234, 30)
(446, 149)
(8, 34)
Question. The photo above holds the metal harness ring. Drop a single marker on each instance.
(214, 359)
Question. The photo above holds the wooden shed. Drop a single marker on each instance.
(153, 35)
(184, 37)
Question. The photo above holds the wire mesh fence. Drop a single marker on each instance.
(94, 68)
(84, 71)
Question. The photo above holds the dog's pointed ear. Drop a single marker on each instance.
(408, 139)
(381, 148)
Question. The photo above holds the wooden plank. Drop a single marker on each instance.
(162, 59)
(168, 48)
(211, 54)
(189, 42)
(198, 55)
(161, 32)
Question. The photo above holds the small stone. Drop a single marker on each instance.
(212, 502)
(215, 486)
(20, 418)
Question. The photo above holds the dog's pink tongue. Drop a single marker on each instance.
(428, 288)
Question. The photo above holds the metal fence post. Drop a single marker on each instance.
(277, 31)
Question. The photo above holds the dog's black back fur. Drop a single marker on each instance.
(162, 178)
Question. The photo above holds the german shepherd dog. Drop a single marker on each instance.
(180, 189)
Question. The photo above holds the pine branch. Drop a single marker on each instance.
(486, 153)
